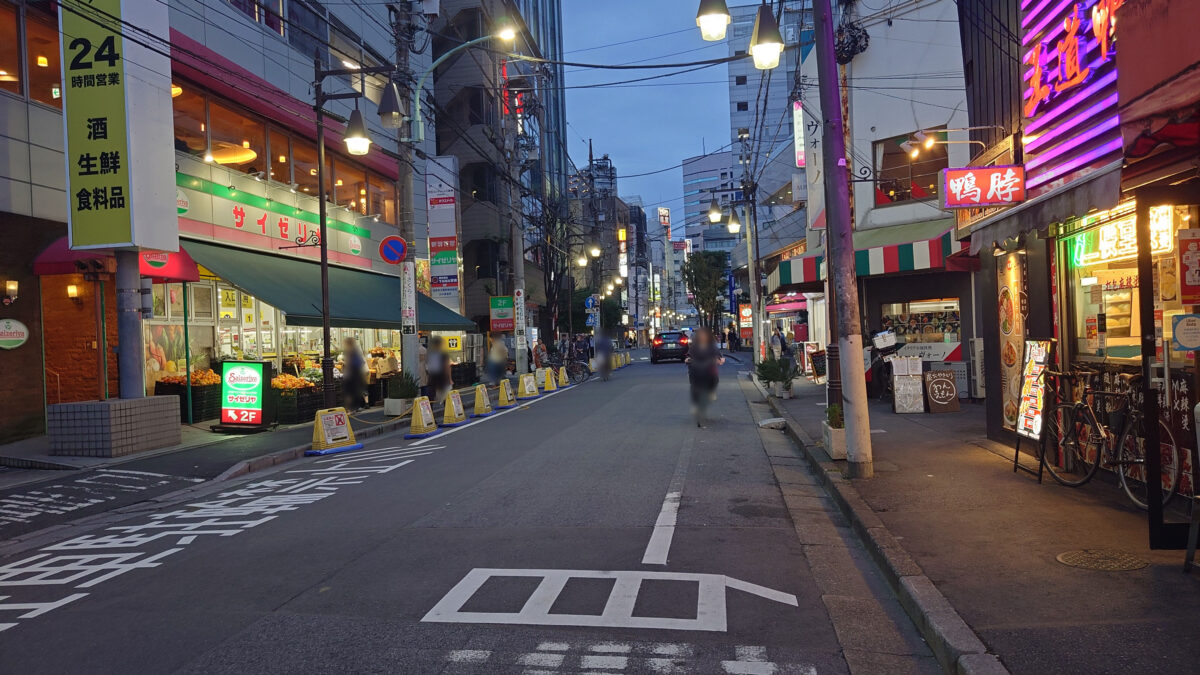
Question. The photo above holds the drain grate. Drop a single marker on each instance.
(1102, 559)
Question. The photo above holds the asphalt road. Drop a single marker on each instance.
(595, 529)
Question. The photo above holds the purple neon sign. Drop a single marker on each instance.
(1070, 96)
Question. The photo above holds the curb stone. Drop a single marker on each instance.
(955, 645)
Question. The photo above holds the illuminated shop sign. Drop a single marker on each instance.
(1070, 88)
(1116, 240)
(972, 187)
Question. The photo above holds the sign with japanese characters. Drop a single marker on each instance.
(1189, 266)
(664, 219)
(119, 185)
(501, 313)
(971, 187)
(798, 134)
(941, 391)
(242, 392)
(442, 192)
(1070, 90)
(1033, 389)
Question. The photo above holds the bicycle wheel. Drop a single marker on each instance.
(1074, 442)
(577, 372)
(1132, 463)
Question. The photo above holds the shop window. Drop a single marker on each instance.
(237, 141)
(281, 151)
(381, 199)
(202, 302)
(10, 56)
(190, 123)
(304, 169)
(935, 320)
(350, 187)
(42, 57)
(227, 298)
(159, 298)
(901, 177)
(175, 301)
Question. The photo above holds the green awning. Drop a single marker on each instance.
(357, 299)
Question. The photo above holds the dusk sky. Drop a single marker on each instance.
(643, 126)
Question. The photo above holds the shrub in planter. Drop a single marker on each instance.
(834, 432)
(401, 390)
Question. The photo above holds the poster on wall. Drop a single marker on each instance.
(1013, 308)
(1188, 276)
(1033, 389)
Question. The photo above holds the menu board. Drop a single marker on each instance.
(941, 391)
(1013, 308)
(1033, 389)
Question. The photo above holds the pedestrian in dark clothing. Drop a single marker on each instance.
(703, 361)
(353, 366)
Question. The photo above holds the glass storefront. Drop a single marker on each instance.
(935, 320)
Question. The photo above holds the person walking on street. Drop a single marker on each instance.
(353, 366)
(603, 350)
(497, 359)
(437, 368)
(703, 360)
(776, 343)
(540, 356)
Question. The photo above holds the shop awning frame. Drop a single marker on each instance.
(357, 299)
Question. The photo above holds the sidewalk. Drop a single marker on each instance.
(988, 540)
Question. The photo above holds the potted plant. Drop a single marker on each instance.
(834, 432)
(770, 373)
(789, 372)
(401, 390)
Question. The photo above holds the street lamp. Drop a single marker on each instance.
(358, 141)
(712, 19)
(927, 140)
(911, 149)
(506, 33)
(714, 211)
(734, 225)
(581, 260)
(595, 251)
(766, 43)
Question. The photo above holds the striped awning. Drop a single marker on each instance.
(911, 256)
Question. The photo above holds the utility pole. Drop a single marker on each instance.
(840, 264)
(409, 341)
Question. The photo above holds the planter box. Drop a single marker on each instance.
(784, 392)
(397, 407)
(298, 406)
(835, 441)
(206, 400)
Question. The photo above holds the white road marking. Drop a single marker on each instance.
(591, 661)
(468, 656)
(553, 658)
(541, 660)
(618, 610)
(751, 653)
(611, 647)
(664, 527)
(750, 668)
(553, 647)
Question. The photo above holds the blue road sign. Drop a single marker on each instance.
(589, 301)
(393, 249)
(591, 320)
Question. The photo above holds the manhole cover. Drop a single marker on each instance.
(1101, 559)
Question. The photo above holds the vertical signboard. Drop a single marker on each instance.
(1013, 308)
(664, 219)
(242, 392)
(798, 132)
(408, 303)
(1033, 389)
(501, 313)
(120, 184)
(519, 318)
(622, 252)
(442, 192)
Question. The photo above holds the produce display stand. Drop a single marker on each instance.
(205, 400)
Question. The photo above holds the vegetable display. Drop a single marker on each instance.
(199, 378)
(286, 381)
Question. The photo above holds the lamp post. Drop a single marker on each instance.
(358, 142)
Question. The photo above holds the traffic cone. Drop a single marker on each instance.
(549, 385)
(483, 404)
(423, 424)
(528, 387)
(453, 414)
(332, 433)
(506, 395)
(563, 380)
(539, 376)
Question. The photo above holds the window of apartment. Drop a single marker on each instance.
(267, 12)
(739, 52)
(10, 52)
(902, 178)
(739, 79)
(235, 140)
(309, 31)
(743, 106)
(743, 132)
(41, 55)
(191, 134)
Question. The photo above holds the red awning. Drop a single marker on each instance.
(788, 306)
(58, 258)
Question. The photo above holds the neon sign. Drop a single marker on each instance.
(1117, 240)
(972, 187)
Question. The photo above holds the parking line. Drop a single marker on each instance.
(664, 527)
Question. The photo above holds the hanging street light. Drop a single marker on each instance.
(766, 43)
(714, 211)
(734, 225)
(391, 108)
(581, 260)
(595, 250)
(358, 141)
(712, 19)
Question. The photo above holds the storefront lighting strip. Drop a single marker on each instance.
(1074, 142)
(1051, 16)
(222, 191)
(1108, 148)
(1084, 95)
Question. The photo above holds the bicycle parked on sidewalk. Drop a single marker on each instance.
(1104, 428)
(577, 371)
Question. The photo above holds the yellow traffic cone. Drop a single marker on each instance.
(423, 424)
(528, 387)
(483, 404)
(548, 384)
(563, 380)
(506, 395)
(332, 433)
(539, 376)
(453, 414)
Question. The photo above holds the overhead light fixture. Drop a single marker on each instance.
(357, 140)
(73, 293)
(391, 109)
(228, 153)
(208, 156)
(506, 31)
(766, 43)
(176, 90)
(581, 261)
(734, 225)
(911, 149)
(5, 76)
(350, 64)
(712, 19)
(595, 251)
(714, 211)
(43, 62)
(925, 139)
(10, 291)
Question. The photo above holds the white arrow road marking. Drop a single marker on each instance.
(618, 611)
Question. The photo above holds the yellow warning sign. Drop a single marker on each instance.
(563, 381)
(483, 404)
(507, 400)
(528, 387)
(548, 383)
(423, 423)
(539, 376)
(332, 432)
(454, 414)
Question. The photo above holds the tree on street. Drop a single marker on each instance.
(704, 276)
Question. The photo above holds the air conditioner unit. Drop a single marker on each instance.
(976, 349)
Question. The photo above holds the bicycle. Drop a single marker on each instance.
(1105, 428)
(577, 371)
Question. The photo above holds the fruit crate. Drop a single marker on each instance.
(298, 406)
(206, 400)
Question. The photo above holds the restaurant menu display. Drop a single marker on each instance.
(1033, 389)
(1013, 308)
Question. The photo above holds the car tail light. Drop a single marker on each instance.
(683, 340)
(657, 342)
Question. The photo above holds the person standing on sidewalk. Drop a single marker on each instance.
(437, 369)
(353, 366)
(497, 359)
(540, 355)
(776, 343)
(703, 360)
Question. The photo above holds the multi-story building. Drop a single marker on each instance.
(705, 178)
(238, 101)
